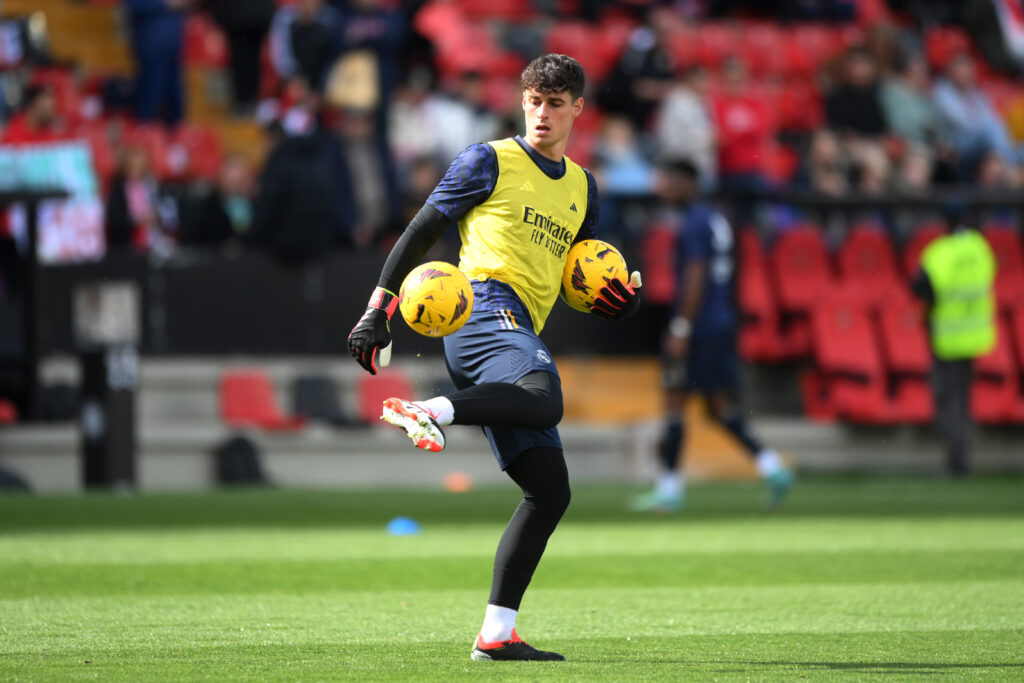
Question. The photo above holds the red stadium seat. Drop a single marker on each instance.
(205, 44)
(996, 384)
(373, 389)
(202, 150)
(658, 249)
(942, 42)
(8, 412)
(760, 336)
(583, 41)
(916, 244)
(103, 159)
(800, 269)
(713, 42)
(1009, 252)
(798, 106)
(867, 261)
(807, 48)
(906, 350)
(904, 334)
(763, 49)
(247, 400)
(846, 352)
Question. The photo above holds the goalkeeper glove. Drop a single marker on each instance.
(617, 299)
(372, 334)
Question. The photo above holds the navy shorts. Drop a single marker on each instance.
(498, 344)
(711, 365)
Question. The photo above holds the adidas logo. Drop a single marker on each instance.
(572, 207)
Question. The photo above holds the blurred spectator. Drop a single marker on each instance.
(915, 170)
(304, 202)
(305, 40)
(853, 107)
(825, 167)
(37, 121)
(623, 170)
(744, 130)
(872, 170)
(975, 127)
(224, 214)
(459, 120)
(157, 31)
(293, 111)
(374, 209)
(371, 41)
(620, 162)
(245, 25)
(683, 128)
(642, 76)
(906, 99)
(137, 214)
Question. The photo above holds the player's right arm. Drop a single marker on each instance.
(469, 181)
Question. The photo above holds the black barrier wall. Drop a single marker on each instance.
(208, 303)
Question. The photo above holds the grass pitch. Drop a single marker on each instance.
(901, 579)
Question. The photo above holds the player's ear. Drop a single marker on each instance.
(577, 107)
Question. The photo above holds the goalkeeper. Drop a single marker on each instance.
(501, 194)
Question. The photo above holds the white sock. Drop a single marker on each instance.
(440, 408)
(768, 462)
(498, 624)
(669, 484)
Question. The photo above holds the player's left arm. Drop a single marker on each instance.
(618, 299)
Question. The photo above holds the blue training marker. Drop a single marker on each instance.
(403, 526)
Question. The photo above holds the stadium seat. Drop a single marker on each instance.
(373, 389)
(8, 412)
(658, 250)
(760, 336)
(916, 244)
(247, 400)
(867, 261)
(202, 149)
(846, 353)
(996, 383)
(763, 49)
(800, 269)
(152, 138)
(205, 44)
(942, 42)
(908, 359)
(582, 40)
(714, 42)
(1009, 253)
(1016, 329)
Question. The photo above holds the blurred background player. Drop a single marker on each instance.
(700, 343)
(519, 204)
(956, 283)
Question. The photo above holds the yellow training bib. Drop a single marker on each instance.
(521, 234)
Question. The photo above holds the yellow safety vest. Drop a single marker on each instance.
(961, 269)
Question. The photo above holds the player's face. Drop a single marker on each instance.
(549, 118)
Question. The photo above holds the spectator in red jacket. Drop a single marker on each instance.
(38, 121)
(744, 129)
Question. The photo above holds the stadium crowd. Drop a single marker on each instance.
(365, 102)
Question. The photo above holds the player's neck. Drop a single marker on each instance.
(553, 151)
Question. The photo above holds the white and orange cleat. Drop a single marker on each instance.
(417, 422)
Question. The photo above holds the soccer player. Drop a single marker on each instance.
(520, 204)
(700, 344)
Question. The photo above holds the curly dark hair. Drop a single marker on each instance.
(554, 73)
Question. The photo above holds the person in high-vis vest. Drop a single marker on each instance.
(955, 279)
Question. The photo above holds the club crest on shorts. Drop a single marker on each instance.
(543, 356)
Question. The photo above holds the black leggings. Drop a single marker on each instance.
(542, 475)
(533, 401)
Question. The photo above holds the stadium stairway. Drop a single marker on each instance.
(179, 426)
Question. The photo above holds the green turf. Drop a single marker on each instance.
(855, 579)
